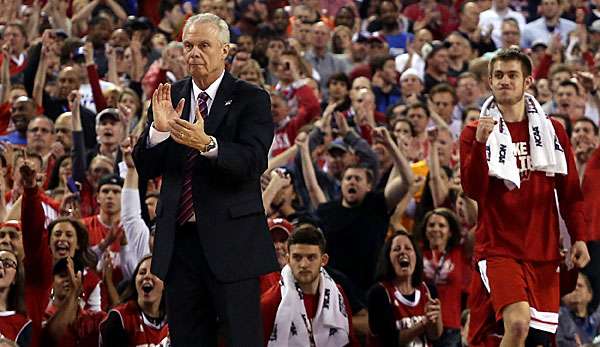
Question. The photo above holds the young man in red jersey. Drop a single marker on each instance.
(517, 237)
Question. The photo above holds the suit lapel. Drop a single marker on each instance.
(220, 105)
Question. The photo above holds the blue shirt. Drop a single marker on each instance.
(14, 137)
(398, 43)
(538, 30)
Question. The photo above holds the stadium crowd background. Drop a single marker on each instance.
(368, 101)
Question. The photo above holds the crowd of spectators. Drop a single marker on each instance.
(368, 100)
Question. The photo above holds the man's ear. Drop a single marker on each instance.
(225, 49)
(528, 82)
(324, 259)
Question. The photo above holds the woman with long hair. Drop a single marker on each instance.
(401, 308)
(140, 319)
(14, 323)
(443, 266)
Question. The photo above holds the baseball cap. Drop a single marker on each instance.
(141, 23)
(337, 144)
(112, 113)
(61, 266)
(13, 223)
(110, 179)
(376, 38)
(280, 226)
(539, 42)
(595, 27)
(431, 48)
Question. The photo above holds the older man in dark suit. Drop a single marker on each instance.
(208, 136)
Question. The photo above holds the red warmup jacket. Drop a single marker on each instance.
(308, 109)
(522, 223)
(591, 192)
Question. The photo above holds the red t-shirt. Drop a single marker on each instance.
(408, 312)
(521, 223)
(140, 332)
(308, 109)
(446, 271)
(12, 324)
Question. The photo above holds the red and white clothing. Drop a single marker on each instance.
(406, 312)
(97, 231)
(51, 207)
(126, 325)
(304, 107)
(38, 264)
(505, 215)
(446, 272)
(15, 327)
(518, 230)
(83, 332)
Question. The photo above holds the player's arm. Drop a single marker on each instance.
(473, 162)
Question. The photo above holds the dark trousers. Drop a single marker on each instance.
(199, 306)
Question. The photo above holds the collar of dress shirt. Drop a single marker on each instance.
(211, 90)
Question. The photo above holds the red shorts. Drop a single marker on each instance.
(504, 281)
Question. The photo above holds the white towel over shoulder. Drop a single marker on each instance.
(547, 154)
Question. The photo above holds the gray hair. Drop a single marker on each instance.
(223, 33)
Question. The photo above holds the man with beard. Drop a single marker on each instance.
(22, 112)
(309, 308)
(397, 39)
(503, 169)
(356, 224)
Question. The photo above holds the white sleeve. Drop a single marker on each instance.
(135, 229)
(155, 137)
(95, 299)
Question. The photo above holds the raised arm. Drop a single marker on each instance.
(99, 99)
(78, 152)
(85, 13)
(277, 182)
(5, 73)
(315, 192)
(439, 187)
(401, 178)
(136, 231)
(42, 68)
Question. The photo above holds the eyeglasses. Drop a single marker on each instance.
(38, 129)
(8, 263)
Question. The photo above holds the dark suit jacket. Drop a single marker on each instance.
(228, 206)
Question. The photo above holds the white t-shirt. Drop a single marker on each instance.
(87, 98)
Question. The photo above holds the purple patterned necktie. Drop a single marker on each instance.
(186, 204)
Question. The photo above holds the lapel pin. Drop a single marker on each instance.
(228, 102)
